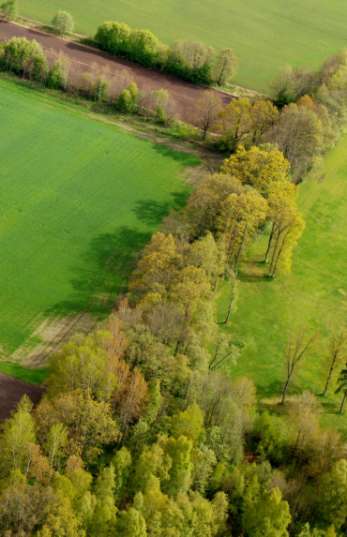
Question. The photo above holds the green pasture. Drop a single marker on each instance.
(78, 199)
(266, 34)
(314, 296)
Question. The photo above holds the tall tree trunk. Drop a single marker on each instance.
(330, 372)
(343, 402)
(239, 251)
(228, 313)
(269, 244)
(284, 390)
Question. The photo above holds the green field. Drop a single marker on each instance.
(313, 296)
(78, 199)
(266, 34)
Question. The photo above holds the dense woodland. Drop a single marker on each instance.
(141, 432)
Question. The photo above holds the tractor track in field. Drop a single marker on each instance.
(86, 59)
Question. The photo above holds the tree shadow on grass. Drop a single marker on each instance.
(152, 212)
(186, 159)
(103, 272)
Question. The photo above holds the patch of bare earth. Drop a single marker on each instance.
(12, 390)
(52, 334)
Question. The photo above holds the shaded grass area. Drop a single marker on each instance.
(78, 201)
(314, 296)
(266, 35)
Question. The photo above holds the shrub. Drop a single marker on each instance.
(141, 46)
(182, 130)
(58, 74)
(101, 89)
(8, 10)
(127, 100)
(25, 57)
(114, 37)
(63, 23)
(156, 104)
(189, 60)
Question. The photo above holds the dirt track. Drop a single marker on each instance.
(184, 96)
(12, 390)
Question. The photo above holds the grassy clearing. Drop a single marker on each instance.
(32, 375)
(265, 34)
(314, 295)
(78, 200)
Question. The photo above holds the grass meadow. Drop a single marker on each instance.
(266, 35)
(78, 199)
(314, 296)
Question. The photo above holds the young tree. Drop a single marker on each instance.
(224, 67)
(208, 109)
(8, 10)
(281, 198)
(127, 101)
(17, 439)
(223, 351)
(131, 523)
(89, 423)
(156, 104)
(332, 496)
(25, 58)
(191, 60)
(188, 423)
(104, 515)
(235, 123)
(63, 23)
(240, 217)
(292, 84)
(297, 346)
(264, 117)
(265, 513)
(57, 439)
(58, 74)
(298, 134)
(288, 227)
(204, 205)
(337, 353)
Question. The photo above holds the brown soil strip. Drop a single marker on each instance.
(85, 59)
(12, 390)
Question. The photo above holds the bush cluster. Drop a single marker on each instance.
(191, 61)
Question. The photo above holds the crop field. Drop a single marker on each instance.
(78, 199)
(266, 35)
(314, 296)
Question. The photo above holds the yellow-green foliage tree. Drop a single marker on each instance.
(241, 215)
(259, 167)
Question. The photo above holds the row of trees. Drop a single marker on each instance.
(27, 59)
(189, 60)
(303, 119)
(140, 434)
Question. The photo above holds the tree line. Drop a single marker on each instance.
(189, 60)
(27, 59)
(303, 119)
(192, 61)
(141, 433)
